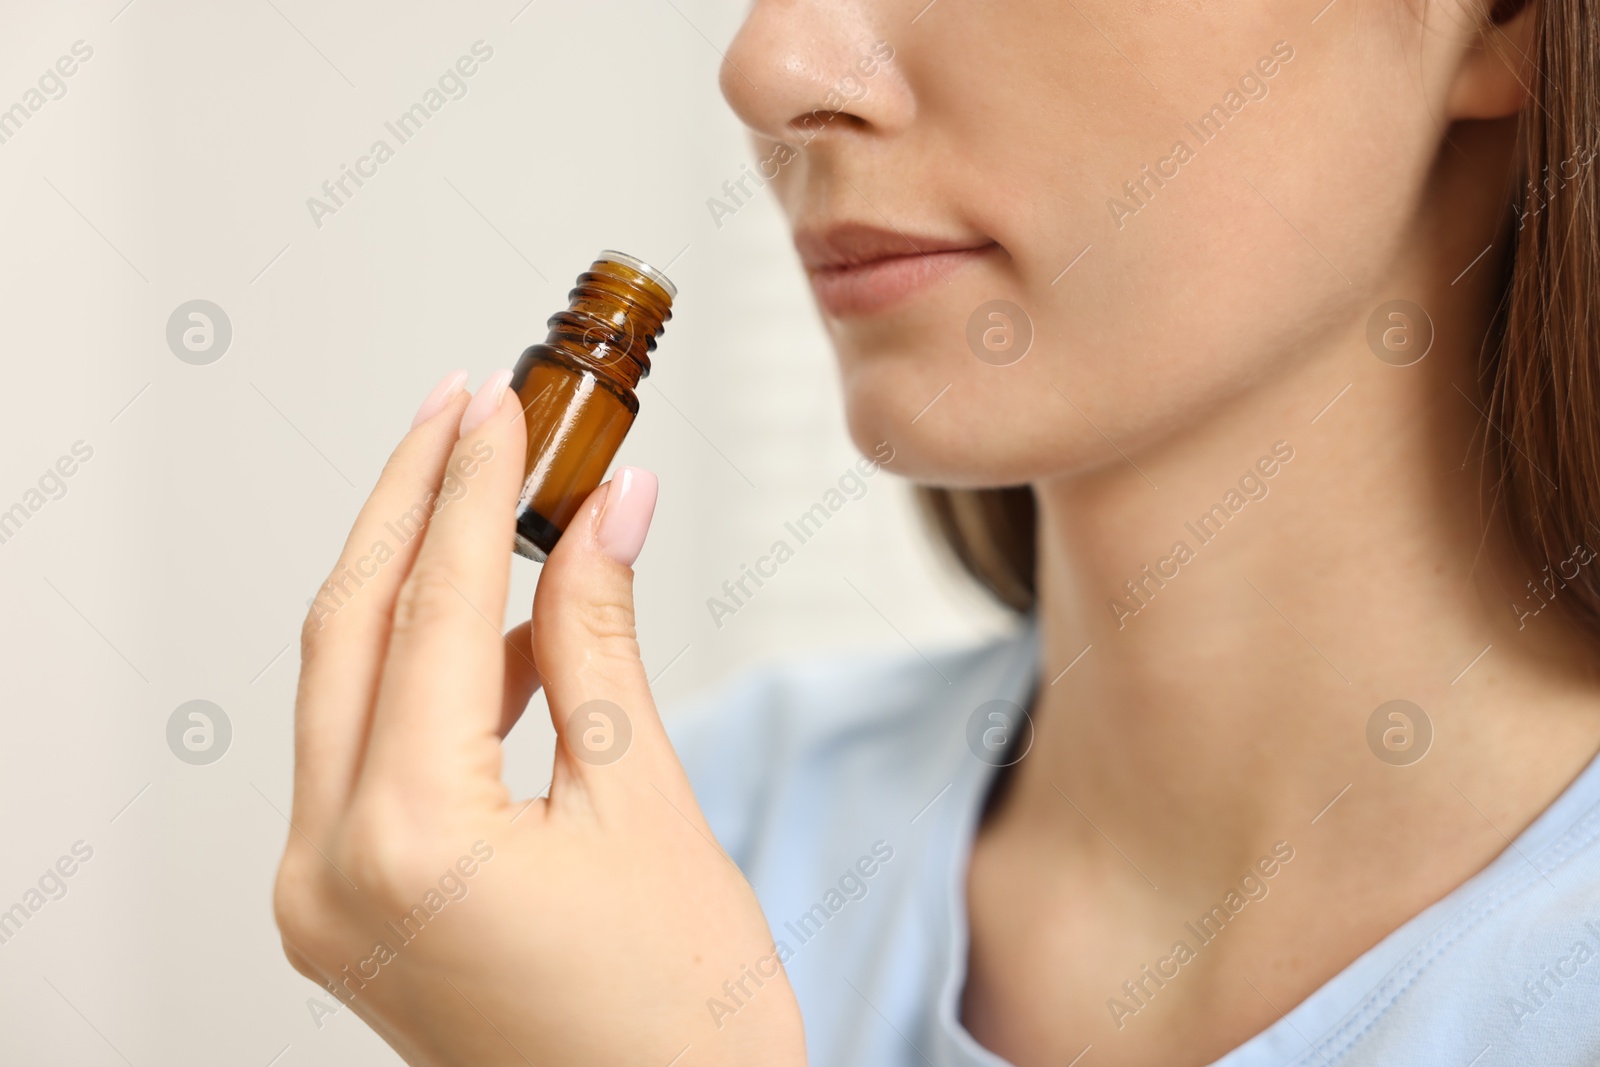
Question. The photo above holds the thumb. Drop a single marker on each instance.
(583, 627)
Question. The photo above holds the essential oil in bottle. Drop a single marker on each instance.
(577, 390)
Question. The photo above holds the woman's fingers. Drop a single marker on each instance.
(583, 631)
(521, 676)
(347, 628)
(439, 703)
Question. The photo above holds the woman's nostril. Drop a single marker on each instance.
(815, 122)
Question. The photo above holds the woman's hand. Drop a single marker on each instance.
(593, 926)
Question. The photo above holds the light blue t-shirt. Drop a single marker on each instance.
(848, 793)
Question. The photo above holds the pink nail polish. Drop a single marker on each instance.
(485, 401)
(440, 397)
(625, 515)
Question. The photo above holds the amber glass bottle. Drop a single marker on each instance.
(577, 390)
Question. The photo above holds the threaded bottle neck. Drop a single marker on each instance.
(615, 312)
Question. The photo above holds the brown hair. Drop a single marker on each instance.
(1544, 394)
(990, 533)
(1542, 356)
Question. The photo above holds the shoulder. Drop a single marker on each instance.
(829, 729)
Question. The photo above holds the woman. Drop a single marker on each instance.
(1254, 357)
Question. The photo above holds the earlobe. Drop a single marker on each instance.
(1495, 79)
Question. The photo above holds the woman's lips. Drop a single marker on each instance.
(860, 270)
(877, 285)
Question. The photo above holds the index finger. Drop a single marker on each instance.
(347, 627)
(439, 701)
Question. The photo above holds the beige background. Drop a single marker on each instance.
(179, 563)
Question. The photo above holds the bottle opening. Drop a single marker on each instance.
(642, 267)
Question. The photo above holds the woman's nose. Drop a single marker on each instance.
(800, 69)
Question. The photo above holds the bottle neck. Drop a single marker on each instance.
(613, 317)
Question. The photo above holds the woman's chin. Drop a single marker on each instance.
(938, 456)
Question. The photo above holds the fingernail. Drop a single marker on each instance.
(625, 514)
(485, 401)
(440, 398)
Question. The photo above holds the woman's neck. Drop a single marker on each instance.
(1222, 614)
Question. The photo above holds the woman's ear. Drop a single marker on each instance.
(1495, 79)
